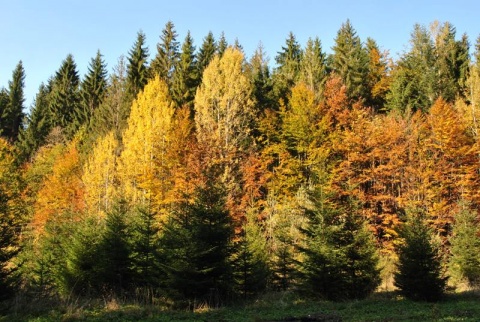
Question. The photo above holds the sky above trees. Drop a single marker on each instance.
(42, 33)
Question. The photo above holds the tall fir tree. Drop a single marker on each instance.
(93, 87)
(206, 53)
(262, 81)
(222, 44)
(137, 69)
(185, 76)
(288, 67)
(350, 61)
(12, 115)
(4, 102)
(167, 56)
(64, 99)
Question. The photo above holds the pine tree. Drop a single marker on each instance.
(465, 246)
(350, 61)
(288, 67)
(222, 45)
(167, 56)
(196, 249)
(419, 275)
(137, 70)
(185, 76)
(262, 81)
(93, 87)
(206, 53)
(11, 115)
(64, 99)
(341, 259)
(37, 127)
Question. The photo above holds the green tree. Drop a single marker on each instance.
(288, 67)
(206, 53)
(222, 45)
(313, 69)
(11, 115)
(38, 125)
(93, 87)
(197, 249)
(167, 56)
(64, 98)
(350, 61)
(185, 77)
(465, 249)
(341, 259)
(137, 69)
(419, 276)
(262, 81)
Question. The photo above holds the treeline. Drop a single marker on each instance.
(202, 176)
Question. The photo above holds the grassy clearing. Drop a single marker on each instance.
(272, 307)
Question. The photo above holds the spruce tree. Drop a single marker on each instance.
(419, 276)
(167, 56)
(64, 99)
(288, 67)
(196, 247)
(185, 77)
(11, 114)
(341, 259)
(93, 87)
(222, 44)
(137, 69)
(350, 61)
(465, 246)
(205, 54)
(262, 81)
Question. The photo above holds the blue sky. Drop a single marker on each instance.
(43, 33)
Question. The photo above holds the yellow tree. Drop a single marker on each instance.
(99, 175)
(224, 112)
(143, 163)
(62, 190)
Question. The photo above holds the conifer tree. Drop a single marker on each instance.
(137, 69)
(222, 45)
(341, 260)
(38, 125)
(378, 81)
(465, 249)
(167, 56)
(262, 81)
(4, 102)
(64, 99)
(419, 275)
(206, 53)
(350, 61)
(11, 114)
(93, 87)
(196, 247)
(185, 77)
(287, 72)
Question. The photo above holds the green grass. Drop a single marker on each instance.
(272, 307)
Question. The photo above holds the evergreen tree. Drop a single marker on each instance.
(378, 81)
(350, 61)
(37, 127)
(313, 69)
(419, 276)
(222, 44)
(341, 259)
(11, 112)
(185, 77)
(205, 54)
(64, 99)
(477, 53)
(250, 258)
(167, 56)
(196, 249)
(288, 67)
(137, 70)
(262, 81)
(465, 249)
(94, 87)
(115, 252)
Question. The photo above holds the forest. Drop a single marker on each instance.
(203, 176)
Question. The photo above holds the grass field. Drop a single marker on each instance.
(272, 307)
